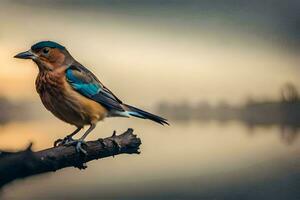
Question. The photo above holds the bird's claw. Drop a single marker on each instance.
(78, 145)
(57, 142)
(65, 141)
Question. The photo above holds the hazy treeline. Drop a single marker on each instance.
(12, 110)
(285, 111)
(5, 109)
(256, 112)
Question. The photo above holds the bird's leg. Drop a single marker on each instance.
(78, 143)
(67, 139)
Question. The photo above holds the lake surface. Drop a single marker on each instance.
(188, 160)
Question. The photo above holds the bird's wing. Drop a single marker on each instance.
(86, 83)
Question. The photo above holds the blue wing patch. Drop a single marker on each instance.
(84, 82)
(87, 89)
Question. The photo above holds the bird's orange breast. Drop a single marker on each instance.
(65, 103)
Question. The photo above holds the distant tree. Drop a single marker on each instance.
(289, 93)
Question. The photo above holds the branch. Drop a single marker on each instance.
(15, 165)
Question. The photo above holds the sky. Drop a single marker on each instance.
(152, 51)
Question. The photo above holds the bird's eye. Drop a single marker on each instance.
(45, 50)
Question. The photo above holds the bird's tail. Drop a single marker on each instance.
(136, 112)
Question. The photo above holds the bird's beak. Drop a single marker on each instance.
(25, 55)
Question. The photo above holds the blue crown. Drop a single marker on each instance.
(50, 44)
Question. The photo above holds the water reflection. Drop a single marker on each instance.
(289, 134)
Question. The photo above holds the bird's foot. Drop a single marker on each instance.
(65, 141)
(78, 145)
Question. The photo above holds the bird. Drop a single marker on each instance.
(73, 94)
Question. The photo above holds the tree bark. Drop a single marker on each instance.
(15, 165)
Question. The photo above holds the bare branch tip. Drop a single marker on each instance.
(114, 133)
(29, 147)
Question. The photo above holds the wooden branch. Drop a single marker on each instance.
(15, 165)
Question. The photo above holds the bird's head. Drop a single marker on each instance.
(47, 55)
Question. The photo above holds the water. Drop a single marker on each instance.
(207, 160)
